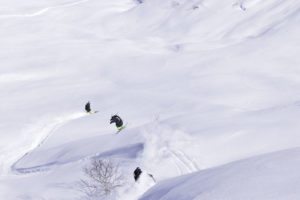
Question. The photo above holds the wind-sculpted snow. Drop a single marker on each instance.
(266, 177)
(208, 24)
(199, 83)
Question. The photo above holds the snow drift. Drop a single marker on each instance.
(207, 87)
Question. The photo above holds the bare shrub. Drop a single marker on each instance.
(103, 177)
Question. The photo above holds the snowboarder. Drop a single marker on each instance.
(136, 174)
(88, 108)
(119, 123)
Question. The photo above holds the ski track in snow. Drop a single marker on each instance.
(189, 164)
(173, 149)
(42, 11)
(58, 123)
(183, 161)
(47, 131)
(167, 145)
(128, 151)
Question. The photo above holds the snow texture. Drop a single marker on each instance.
(209, 89)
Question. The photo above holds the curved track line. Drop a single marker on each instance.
(188, 161)
(128, 151)
(47, 131)
(180, 164)
(42, 11)
(184, 160)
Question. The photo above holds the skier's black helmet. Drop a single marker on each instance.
(116, 119)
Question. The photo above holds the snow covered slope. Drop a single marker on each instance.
(201, 84)
(271, 176)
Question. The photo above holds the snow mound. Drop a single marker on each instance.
(272, 176)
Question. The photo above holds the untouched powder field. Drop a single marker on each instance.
(209, 90)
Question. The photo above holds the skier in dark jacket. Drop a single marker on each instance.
(136, 174)
(116, 119)
(88, 108)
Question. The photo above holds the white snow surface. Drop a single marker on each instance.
(209, 90)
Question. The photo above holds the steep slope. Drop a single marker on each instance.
(200, 83)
